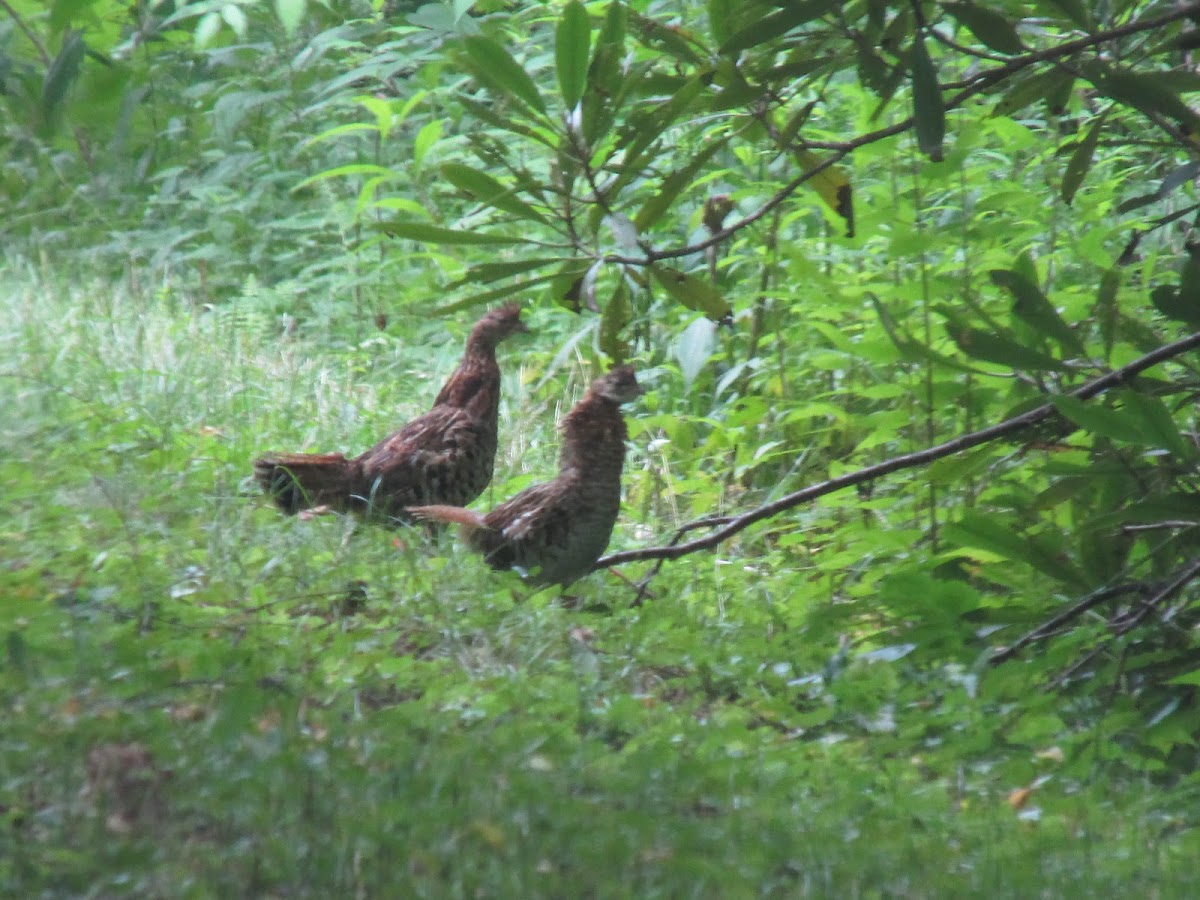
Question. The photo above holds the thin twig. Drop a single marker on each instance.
(1189, 572)
(907, 461)
(1046, 629)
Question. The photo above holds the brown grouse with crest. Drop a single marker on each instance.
(556, 531)
(443, 456)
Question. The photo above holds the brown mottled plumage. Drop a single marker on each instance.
(556, 531)
(443, 456)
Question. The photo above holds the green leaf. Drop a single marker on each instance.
(693, 349)
(989, 27)
(617, 314)
(1158, 425)
(485, 113)
(1075, 11)
(499, 293)
(693, 293)
(670, 40)
(1081, 159)
(1146, 92)
(1036, 87)
(484, 273)
(435, 234)
(911, 350)
(653, 209)
(1001, 536)
(290, 14)
(720, 12)
(1117, 425)
(1107, 310)
(775, 24)
(487, 190)
(62, 73)
(427, 137)
(928, 111)
(572, 45)
(996, 346)
(64, 12)
(499, 71)
(1032, 306)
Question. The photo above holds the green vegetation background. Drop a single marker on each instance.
(253, 226)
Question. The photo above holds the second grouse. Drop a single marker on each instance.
(556, 531)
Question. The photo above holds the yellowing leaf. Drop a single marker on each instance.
(832, 184)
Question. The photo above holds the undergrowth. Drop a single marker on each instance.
(330, 709)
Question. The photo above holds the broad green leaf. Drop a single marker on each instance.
(775, 24)
(653, 209)
(496, 68)
(673, 41)
(62, 73)
(485, 113)
(992, 29)
(484, 273)
(604, 74)
(999, 347)
(1115, 424)
(997, 534)
(720, 13)
(1036, 87)
(427, 137)
(435, 234)
(693, 293)
(616, 315)
(833, 185)
(1075, 11)
(290, 14)
(1081, 159)
(1144, 91)
(1158, 425)
(928, 111)
(694, 347)
(1107, 309)
(352, 169)
(910, 349)
(235, 19)
(206, 30)
(1032, 306)
(506, 290)
(572, 45)
(487, 190)
(64, 12)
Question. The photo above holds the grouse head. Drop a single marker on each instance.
(497, 325)
(620, 385)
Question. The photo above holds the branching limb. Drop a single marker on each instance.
(735, 524)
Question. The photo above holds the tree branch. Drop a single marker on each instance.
(913, 460)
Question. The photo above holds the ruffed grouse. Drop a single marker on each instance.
(556, 531)
(443, 456)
